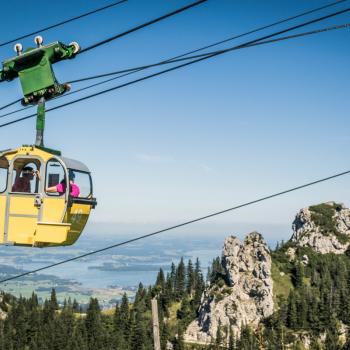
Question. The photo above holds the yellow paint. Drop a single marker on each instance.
(23, 204)
(21, 230)
(2, 215)
(78, 216)
(57, 225)
(53, 209)
(52, 233)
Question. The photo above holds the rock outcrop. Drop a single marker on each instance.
(325, 228)
(245, 298)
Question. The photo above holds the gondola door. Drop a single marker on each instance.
(23, 207)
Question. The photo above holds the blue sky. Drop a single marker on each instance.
(207, 137)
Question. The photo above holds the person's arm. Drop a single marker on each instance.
(51, 189)
(37, 174)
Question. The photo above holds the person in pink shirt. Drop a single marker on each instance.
(61, 187)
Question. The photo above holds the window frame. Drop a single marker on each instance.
(53, 194)
(90, 181)
(12, 170)
(7, 175)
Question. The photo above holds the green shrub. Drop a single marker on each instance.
(323, 216)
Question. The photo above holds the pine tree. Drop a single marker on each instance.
(199, 284)
(53, 300)
(160, 282)
(180, 282)
(178, 342)
(292, 317)
(190, 278)
(247, 340)
(138, 333)
(122, 323)
(75, 306)
(172, 279)
(298, 275)
(79, 338)
(93, 325)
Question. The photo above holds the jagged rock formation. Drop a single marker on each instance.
(325, 228)
(245, 299)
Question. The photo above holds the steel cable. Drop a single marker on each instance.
(202, 56)
(63, 22)
(176, 226)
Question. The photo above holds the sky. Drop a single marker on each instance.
(206, 137)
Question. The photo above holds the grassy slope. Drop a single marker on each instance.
(282, 283)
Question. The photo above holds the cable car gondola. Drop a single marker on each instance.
(45, 199)
(39, 217)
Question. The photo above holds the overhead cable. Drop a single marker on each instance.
(129, 31)
(137, 69)
(215, 54)
(63, 22)
(10, 104)
(174, 60)
(218, 42)
(207, 55)
(186, 223)
(141, 26)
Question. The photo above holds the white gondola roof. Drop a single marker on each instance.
(75, 164)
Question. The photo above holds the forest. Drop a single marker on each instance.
(317, 305)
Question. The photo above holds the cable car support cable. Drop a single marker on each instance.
(186, 223)
(63, 22)
(181, 58)
(134, 70)
(131, 30)
(209, 55)
(141, 26)
(221, 41)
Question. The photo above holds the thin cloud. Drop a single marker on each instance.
(206, 168)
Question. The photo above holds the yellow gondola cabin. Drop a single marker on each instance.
(30, 213)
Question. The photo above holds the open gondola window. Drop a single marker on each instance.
(83, 181)
(25, 177)
(4, 166)
(54, 177)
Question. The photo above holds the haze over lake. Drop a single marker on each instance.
(126, 266)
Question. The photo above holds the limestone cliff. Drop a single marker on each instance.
(325, 228)
(245, 298)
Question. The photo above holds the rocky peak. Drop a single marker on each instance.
(245, 299)
(325, 228)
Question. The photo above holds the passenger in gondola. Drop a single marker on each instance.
(22, 183)
(61, 187)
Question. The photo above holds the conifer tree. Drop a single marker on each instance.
(122, 323)
(53, 300)
(160, 282)
(190, 278)
(93, 325)
(292, 316)
(180, 283)
(247, 340)
(178, 342)
(75, 306)
(172, 278)
(298, 275)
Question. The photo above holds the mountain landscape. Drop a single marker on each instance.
(295, 296)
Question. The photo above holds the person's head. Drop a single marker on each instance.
(71, 175)
(28, 172)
